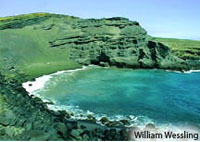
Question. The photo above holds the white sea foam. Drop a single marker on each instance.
(190, 71)
(39, 83)
(135, 121)
(139, 121)
(32, 86)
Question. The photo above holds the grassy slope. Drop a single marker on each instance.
(34, 56)
(186, 49)
(11, 18)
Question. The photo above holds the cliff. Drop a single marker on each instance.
(39, 41)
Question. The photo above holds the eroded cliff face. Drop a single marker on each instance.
(107, 42)
(116, 42)
(28, 40)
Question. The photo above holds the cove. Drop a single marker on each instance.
(148, 95)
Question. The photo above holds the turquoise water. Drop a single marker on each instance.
(164, 97)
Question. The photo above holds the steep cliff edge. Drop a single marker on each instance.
(42, 43)
(116, 42)
(53, 39)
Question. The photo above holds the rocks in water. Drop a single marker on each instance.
(125, 122)
(91, 118)
(114, 123)
(50, 103)
(104, 120)
(33, 121)
(105, 42)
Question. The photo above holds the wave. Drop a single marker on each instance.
(190, 71)
(78, 114)
(32, 86)
(135, 121)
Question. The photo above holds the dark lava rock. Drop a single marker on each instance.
(125, 122)
(114, 124)
(72, 125)
(104, 120)
(91, 118)
(62, 129)
(75, 133)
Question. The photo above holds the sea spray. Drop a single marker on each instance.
(32, 86)
(190, 71)
(140, 80)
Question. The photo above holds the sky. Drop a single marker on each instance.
(162, 18)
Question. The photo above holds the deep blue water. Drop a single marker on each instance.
(164, 97)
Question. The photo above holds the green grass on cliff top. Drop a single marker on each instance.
(31, 52)
(183, 48)
(29, 45)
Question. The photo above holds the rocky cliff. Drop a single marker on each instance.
(107, 42)
(42, 43)
(115, 42)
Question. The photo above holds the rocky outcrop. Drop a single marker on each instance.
(106, 42)
(113, 41)
(116, 42)
(23, 117)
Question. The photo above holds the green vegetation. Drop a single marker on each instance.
(36, 44)
(31, 53)
(21, 17)
(43, 43)
(183, 48)
(2, 103)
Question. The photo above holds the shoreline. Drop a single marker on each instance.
(32, 86)
(39, 82)
(77, 112)
(186, 72)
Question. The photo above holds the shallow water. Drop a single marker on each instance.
(156, 95)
